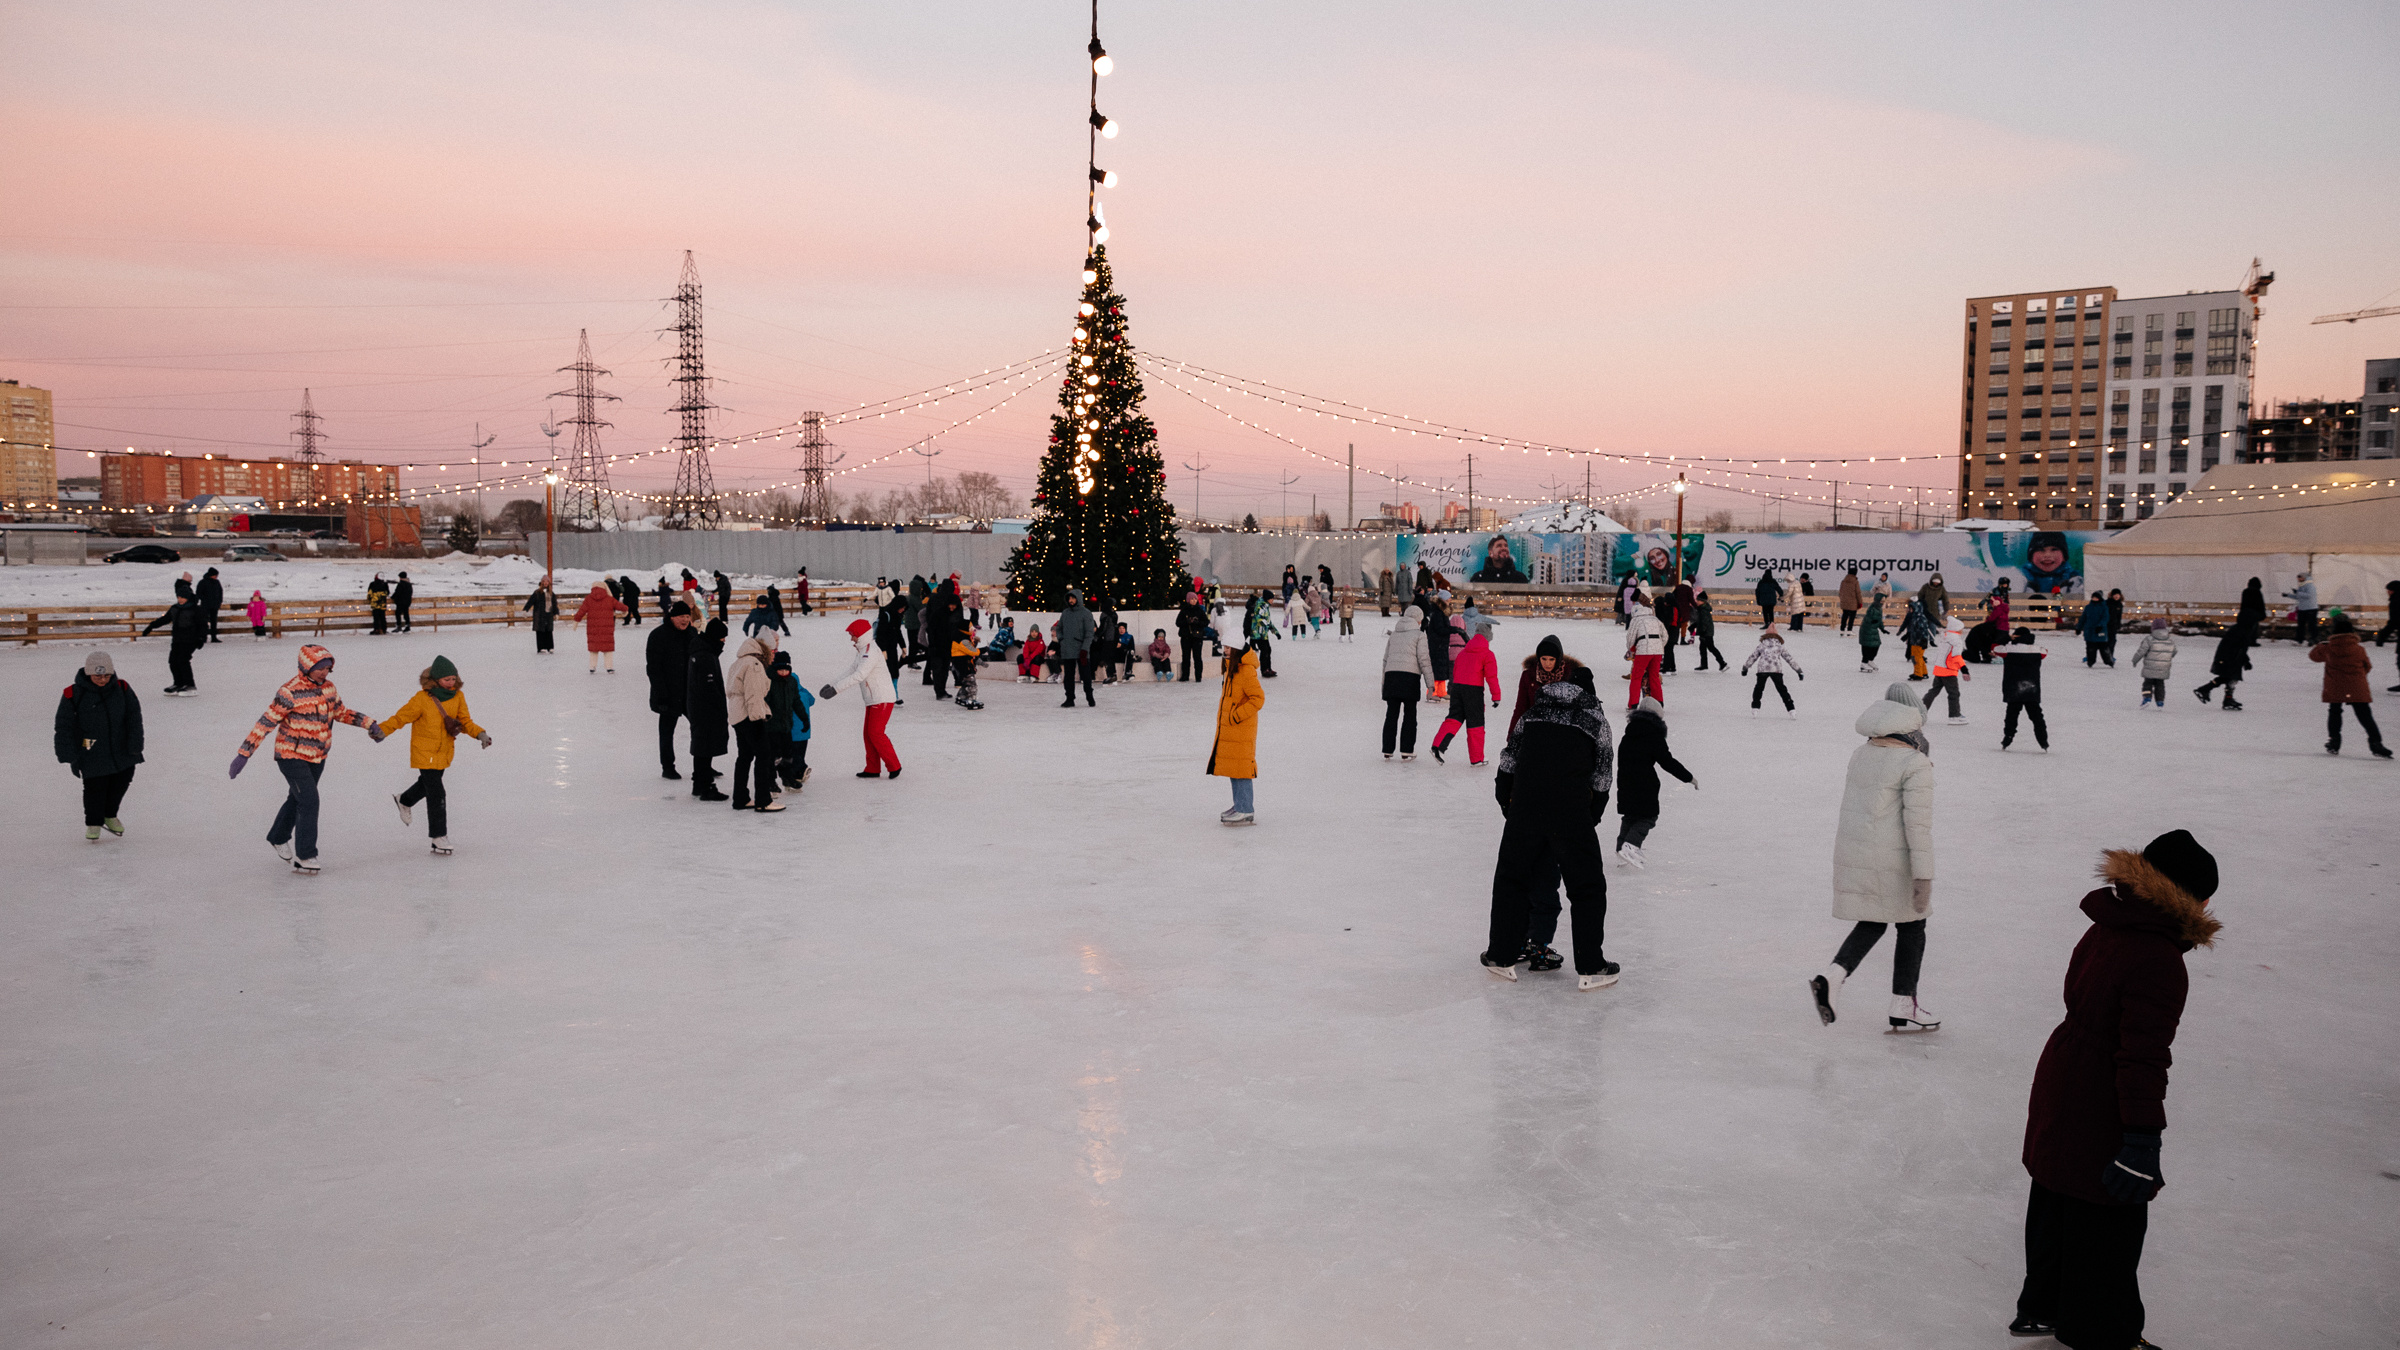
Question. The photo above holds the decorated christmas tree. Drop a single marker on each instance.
(1101, 521)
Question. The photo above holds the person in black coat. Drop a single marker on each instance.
(183, 592)
(2231, 660)
(1639, 759)
(210, 592)
(704, 703)
(1552, 785)
(2254, 605)
(2021, 686)
(98, 735)
(944, 617)
(187, 634)
(1767, 593)
(2096, 1118)
(404, 594)
(666, 659)
(1191, 630)
(773, 601)
(543, 606)
(725, 598)
(632, 596)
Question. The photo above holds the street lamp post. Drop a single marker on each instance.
(549, 528)
(1681, 487)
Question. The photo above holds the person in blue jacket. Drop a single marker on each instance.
(998, 648)
(793, 764)
(2095, 630)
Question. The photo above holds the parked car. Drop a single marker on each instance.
(252, 553)
(326, 534)
(145, 553)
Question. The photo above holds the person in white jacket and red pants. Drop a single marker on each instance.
(874, 681)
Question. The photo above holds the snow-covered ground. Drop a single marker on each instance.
(1023, 1049)
(306, 578)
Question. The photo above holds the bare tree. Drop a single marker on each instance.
(522, 516)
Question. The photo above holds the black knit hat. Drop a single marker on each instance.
(1549, 646)
(2185, 863)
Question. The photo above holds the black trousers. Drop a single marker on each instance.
(666, 738)
(793, 763)
(179, 665)
(937, 674)
(2366, 721)
(296, 819)
(2083, 1269)
(2032, 708)
(1674, 639)
(1758, 688)
(212, 623)
(542, 637)
(1708, 648)
(1939, 685)
(377, 613)
(1266, 656)
(428, 789)
(1401, 690)
(1849, 619)
(1190, 668)
(1766, 615)
(103, 793)
(400, 615)
(1532, 852)
(753, 765)
(1908, 954)
(2307, 627)
(1633, 830)
(1071, 666)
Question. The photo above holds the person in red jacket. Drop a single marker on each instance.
(2093, 1126)
(598, 614)
(1472, 671)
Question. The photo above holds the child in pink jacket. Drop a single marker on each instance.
(258, 616)
(1471, 671)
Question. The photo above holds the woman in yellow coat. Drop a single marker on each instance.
(1235, 754)
(435, 717)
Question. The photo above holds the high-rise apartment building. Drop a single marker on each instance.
(28, 463)
(2178, 397)
(2029, 420)
(133, 480)
(2382, 410)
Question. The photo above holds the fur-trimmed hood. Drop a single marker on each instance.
(1568, 663)
(2141, 896)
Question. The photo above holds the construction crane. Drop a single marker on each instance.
(2355, 315)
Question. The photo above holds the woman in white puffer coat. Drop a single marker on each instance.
(1883, 855)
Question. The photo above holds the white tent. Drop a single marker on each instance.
(2338, 521)
(1563, 518)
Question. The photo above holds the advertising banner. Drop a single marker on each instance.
(2036, 562)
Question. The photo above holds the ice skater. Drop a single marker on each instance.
(1234, 752)
(543, 606)
(2156, 659)
(598, 613)
(1474, 671)
(1950, 667)
(1883, 856)
(794, 701)
(1407, 672)
(876, 686)
(704, 705)
(97, 734)
(1643, 753)
(435, 716)
(2232, 659)
(1646, 648)
(301, 716)
(1870, 634)
(1553, 786)
(667, 663)
(1704, 628)
(2096, 1117)
(2021, 688)
(1772, 659)
(2346, 665)
(256, 612)
(2094, 627)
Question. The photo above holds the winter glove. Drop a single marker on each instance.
(238, 762)
(1503, 785)
(827, 692)
(375, 732)
(484, 740)
(1799, 674)
(1695, 782)
(1921, 896)
(75, 769)
(2134, 1176)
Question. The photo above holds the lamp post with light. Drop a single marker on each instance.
(549, 528)
(1681, 487)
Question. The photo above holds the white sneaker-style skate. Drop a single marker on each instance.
(1499, 972)
(306, 867)
(1630, 855)
(1602, 978)
(441, 847)
(1823, 987)
(407, 816)
(1909, 1015)
(1237, 818)
(1792, 714)
(1958, 721)
(1406, 758)
(283, 850)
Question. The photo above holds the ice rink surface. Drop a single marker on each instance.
(1025, 1050)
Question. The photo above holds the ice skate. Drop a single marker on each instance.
(2031, 1326)
(667, 771)
(1791, 714)
(1630, 855)
(91, 834)
(283, 850)
(2201, 694)
(440, 847)
(1864, 669)
(2229, 705)
(407, 816)
(1499, 971)
(1238, 818)
(1437, 754)
(1959, 722)
(1754, 710)
(1542, 956)
(771, 805)
(1406, 758)
(2333, 747)
(1602, 978)
(1908, 1015)
(306, 867)
(1823, 987)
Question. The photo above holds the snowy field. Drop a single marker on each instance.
(306, 578)
(1023, 1049)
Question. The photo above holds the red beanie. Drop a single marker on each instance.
(858, 626)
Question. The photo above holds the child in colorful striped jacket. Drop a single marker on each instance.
(302, 718)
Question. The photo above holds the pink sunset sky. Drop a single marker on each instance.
(1739, 230)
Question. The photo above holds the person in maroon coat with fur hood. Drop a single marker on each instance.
(2093, 1127)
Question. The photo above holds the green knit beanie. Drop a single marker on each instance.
(442, 669)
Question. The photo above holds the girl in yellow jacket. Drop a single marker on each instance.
(435, 717)
(1234, 753)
